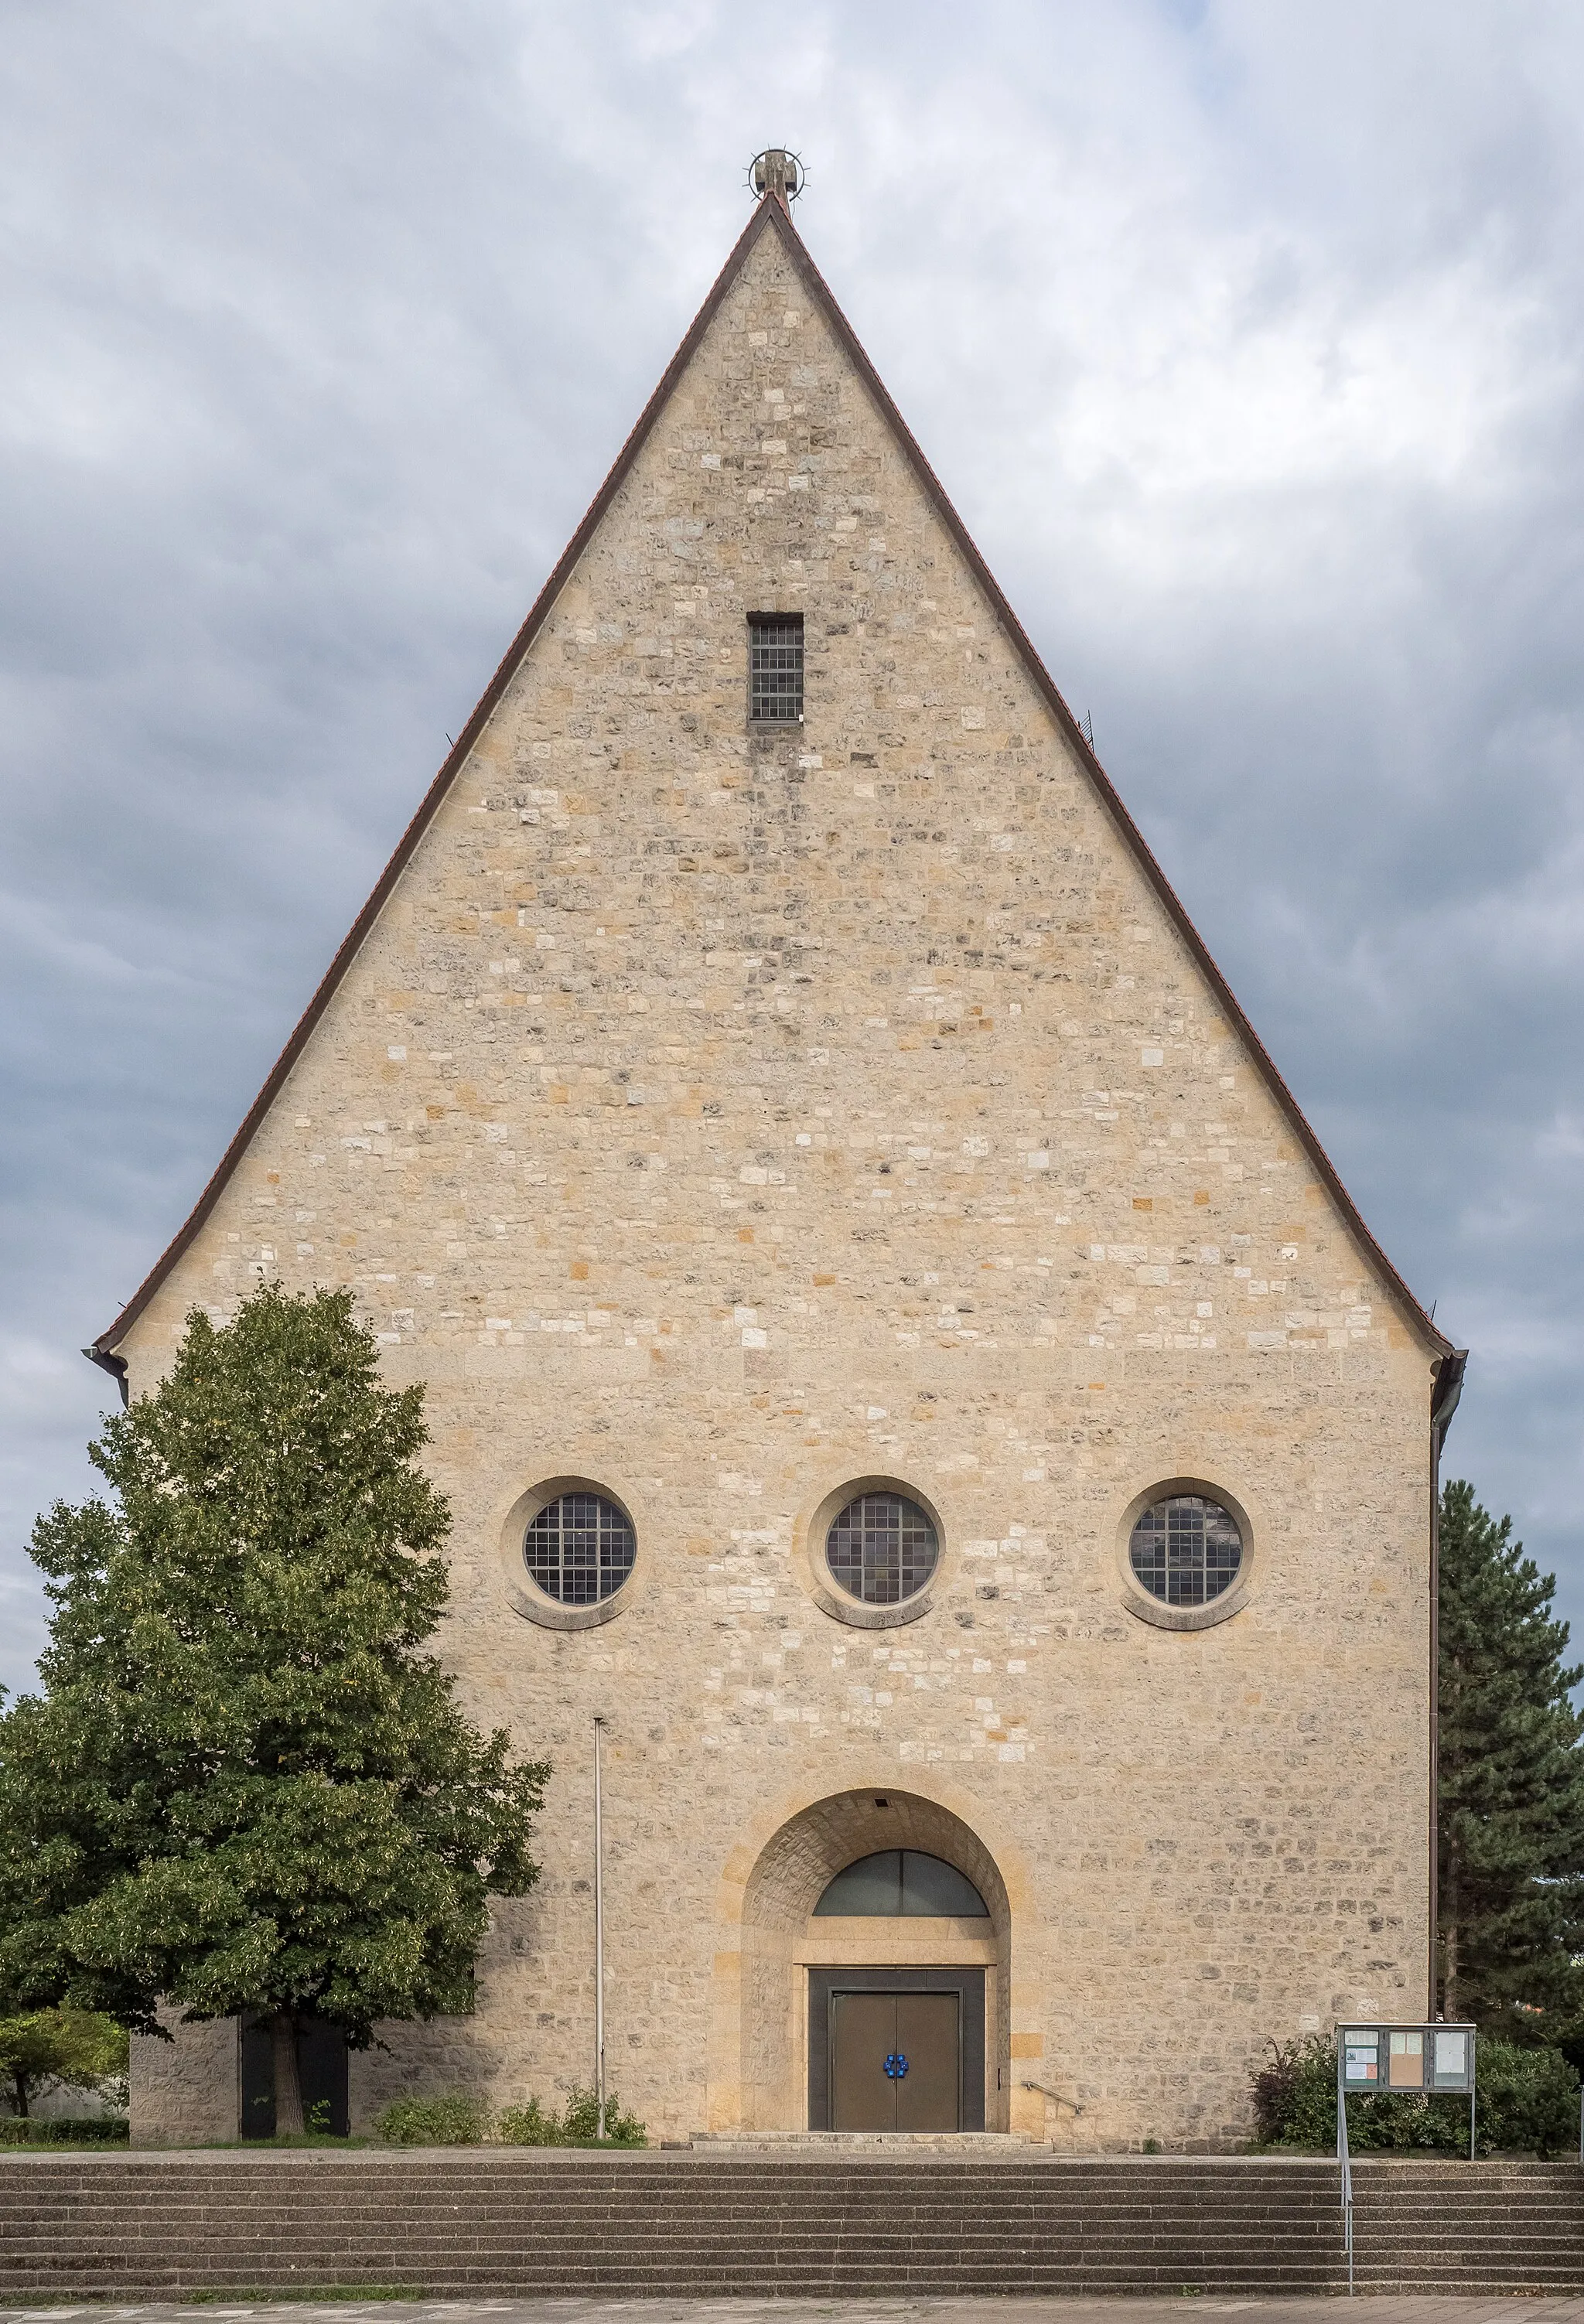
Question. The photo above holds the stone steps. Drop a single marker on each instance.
(717, 2220)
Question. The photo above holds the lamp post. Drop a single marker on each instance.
(599, 1728)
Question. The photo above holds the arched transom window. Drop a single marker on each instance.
(902, 1881)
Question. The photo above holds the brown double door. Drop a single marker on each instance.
(896, 2061)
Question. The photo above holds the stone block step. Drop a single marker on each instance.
(643, 2218)
(711, 2221)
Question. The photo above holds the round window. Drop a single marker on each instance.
(1187, 1550)
(881, 1549)
(580, 1549)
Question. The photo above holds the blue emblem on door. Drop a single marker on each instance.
(895, 2065)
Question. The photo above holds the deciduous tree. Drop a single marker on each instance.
(47, 2049)
(247, 1784)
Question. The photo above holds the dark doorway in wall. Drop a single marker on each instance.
(321, 2069)
(895, 2049)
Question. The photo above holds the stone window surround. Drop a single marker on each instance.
(527, 1598)
(1143, 1603)
(808, 1561)
(808, 1556)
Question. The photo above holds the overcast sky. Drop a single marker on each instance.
(1248, 337)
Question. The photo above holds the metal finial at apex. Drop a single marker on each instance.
(776, 172)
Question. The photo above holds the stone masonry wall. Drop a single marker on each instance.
(189, 2088)
(721, 1118)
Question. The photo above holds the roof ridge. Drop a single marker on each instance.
(769, 212)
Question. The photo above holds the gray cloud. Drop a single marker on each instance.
(1249, 342)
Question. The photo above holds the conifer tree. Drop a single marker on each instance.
(1511, 1838)
(246, 1786)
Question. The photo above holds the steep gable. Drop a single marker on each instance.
(629, 945)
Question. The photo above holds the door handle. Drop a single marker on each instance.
(895, 2065)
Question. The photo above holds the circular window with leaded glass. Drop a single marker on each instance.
(881, 1549)
(1186, 1550)
(579, 1549)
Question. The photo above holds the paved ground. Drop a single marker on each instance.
(1514, 2310)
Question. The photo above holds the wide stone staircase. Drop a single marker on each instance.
(473, 2221)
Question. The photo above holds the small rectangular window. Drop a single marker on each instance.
(774, 669)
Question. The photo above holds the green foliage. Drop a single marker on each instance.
(580, 2120)
(45, 2049)
(457, 2119)
(246, 1786)
(1527, 2103)
(1285, 2092)
(528, 2125)
(460, 2119)
(1511, 1879)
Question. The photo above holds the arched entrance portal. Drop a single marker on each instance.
(814, 1980)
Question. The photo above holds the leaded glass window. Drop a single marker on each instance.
(774, 669)
(881, 1549)
(1186, 1550)
(580, 1549)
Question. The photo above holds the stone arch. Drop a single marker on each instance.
(786, 1882)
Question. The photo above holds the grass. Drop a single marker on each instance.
(62, 2130)
(62, 2146)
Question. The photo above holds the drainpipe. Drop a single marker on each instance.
(1446, 1388)
(599, 1838)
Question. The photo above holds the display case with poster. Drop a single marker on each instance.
(1422, 2060)
(1438, 2059)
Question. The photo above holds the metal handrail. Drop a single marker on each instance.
(1346, 2161)
(1060, 2096)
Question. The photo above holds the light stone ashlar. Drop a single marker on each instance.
(720, 1117)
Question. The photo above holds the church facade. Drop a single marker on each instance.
(896, 1353)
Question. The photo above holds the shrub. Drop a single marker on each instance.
(460, 2119)
(1527, 2101)
(457, 2119)
(1275, 2091)
(578, 2124)
(528, 2125)
(581, 2120)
